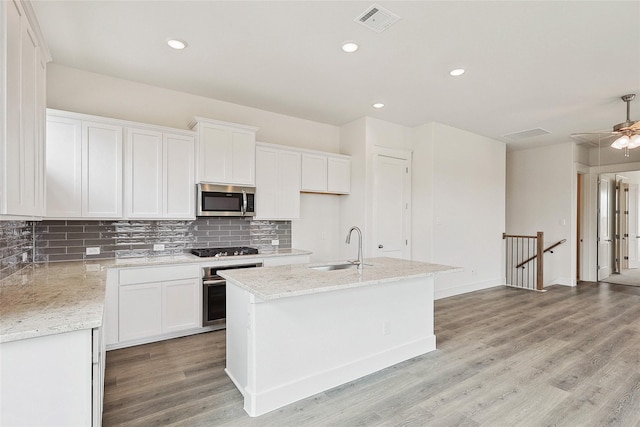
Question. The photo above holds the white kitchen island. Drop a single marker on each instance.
(293, 331)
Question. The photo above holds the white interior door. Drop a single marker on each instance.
(605, 222)
(392, 207)
(634, 239)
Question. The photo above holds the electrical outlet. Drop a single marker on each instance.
(275, 242)
(93, 251)
(158, 247)
(25, 257)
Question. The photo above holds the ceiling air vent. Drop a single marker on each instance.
(517, 136)
(377, 18)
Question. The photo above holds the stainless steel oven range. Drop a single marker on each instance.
(214, 296)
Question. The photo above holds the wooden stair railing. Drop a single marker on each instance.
(549, 249)
(518, 247)
(539, 244)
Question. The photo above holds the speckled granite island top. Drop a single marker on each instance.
(294, 280)
(47, 299)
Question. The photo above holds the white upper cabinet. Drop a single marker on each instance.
(159, 174)
(326, 173)
(101, 170)
(64, 167)
(314, 172)
(277, 182)
(91, 170)
(338, 175)
(226, 152)
(179, 176)
(23, 60)
(83, 167)
(143, 173)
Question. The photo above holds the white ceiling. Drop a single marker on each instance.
(557, 65)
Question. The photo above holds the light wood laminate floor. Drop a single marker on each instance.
(505, 357)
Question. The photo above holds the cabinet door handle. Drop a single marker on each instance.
(380, 246)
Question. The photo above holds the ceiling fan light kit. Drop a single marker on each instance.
(629, 130)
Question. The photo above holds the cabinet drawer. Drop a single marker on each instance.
(158, 274)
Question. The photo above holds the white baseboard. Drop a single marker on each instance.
(259, 403)
(465, 288)
(564, 281)
(156, 338)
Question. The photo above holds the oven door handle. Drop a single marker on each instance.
(214, 282)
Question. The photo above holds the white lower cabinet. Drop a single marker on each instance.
(180, 305)
(140, 311)
(53, 380)
(147, 304)
(157, 303)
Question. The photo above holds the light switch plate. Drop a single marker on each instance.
(275, 242)
(93, 251)
(158, 247)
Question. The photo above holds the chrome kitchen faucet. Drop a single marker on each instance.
(360, 261)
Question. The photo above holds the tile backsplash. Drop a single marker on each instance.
(16, 239)
(68, 240)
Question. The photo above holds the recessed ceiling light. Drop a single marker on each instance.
(350, 47)
(378, 105)
(457, 72)
(176, 44)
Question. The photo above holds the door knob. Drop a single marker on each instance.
(380, 246)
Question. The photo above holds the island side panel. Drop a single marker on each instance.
(237, 324)
(303, 345)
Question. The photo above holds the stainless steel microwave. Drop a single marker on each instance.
(225, 200)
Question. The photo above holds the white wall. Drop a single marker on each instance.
(464, 176)
(422, 193)
(540, 195)
(353, 208)
(319, 226)
(610, 156)
(385, 134)
(84, 92)
(360, 139)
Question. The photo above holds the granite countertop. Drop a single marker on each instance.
(294, 280)
(190, 258)
(57, 297)
(46, 299)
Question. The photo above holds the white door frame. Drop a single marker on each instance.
(591, 201)
(396, 154)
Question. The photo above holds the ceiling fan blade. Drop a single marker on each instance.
(604, 133)
(635, 126)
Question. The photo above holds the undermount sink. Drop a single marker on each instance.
(331, 267)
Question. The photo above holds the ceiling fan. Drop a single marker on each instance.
(627, 132)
